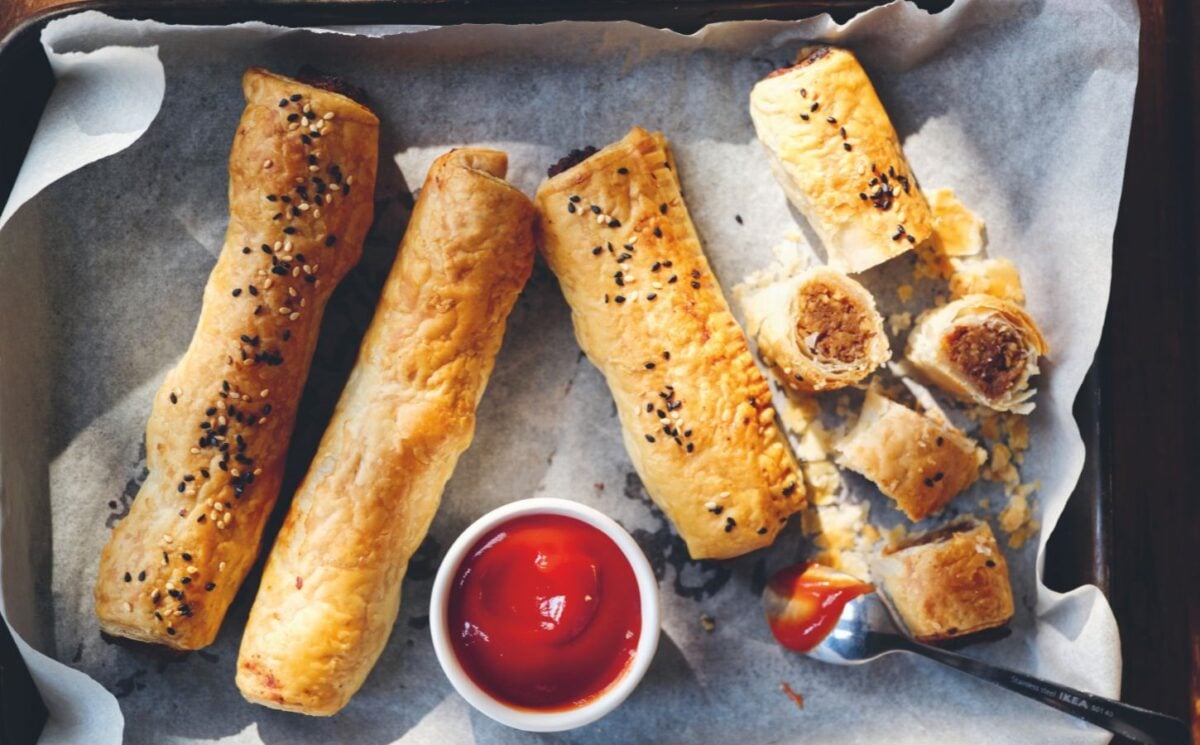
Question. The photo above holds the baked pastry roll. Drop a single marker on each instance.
(695, 411)
(948, 583)
(834, 150)
(330, 591)
(301, 191)
(919, 460)
(957, 230)
(981, 348)
(819, 329)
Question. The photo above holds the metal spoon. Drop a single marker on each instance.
(866, 631)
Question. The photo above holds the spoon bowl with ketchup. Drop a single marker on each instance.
(545, 615)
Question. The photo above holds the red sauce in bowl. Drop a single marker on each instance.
(803, 603)
(544, 612)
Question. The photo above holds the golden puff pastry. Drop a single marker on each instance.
(919, 460)
(948, 583)
(957, 231)
(330, 592)
(819, 329)
(995, 277)
(981, 348)
(696, 413)
(834, 150)
(301, 190)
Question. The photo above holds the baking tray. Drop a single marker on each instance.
(1078, 553)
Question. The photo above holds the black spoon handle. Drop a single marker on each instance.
(1140, 725)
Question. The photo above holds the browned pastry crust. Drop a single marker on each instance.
(919, 460)
(696, 413)
(330, 592)
(948, 583)
(836, 154)
(300, 205)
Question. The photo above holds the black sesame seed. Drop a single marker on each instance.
(289, 230)
(814, 107)
(571, 207)
(657, 232)
(928, 482)
(174, 399)
(831, 120)
(730, 524)
(142, 576)
(622, 170)
(619, 298)
(649, 438)
(128, 577)
(939, 441)
(296, 96)
(245, 249)
(862, 196)
(663, 208)
(674, 278)
(938, 476)
(171, 630)
(762, 531)
(695, 285)
(596, 251)
(649, 365)
(283, 102)
(651, 296)
(846, 146)
(574, 197)
(330, 240)
(990, 564)
(614, 223)
(804, 117)
(595, 209)
(210, 586)
(293, 117)
(182, 486)
(237, 291)
(186, 580)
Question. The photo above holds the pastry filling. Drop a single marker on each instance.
(992, 354)
(831, 325)
(938, 535)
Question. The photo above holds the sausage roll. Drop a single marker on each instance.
(919, 460)
(330, 591)
(301, 190)
(834, 150)
(696, 412)
(980, 348)
(820, 330)
(948, 583)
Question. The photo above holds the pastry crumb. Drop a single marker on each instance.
(995, 277)
(1016, 519)
(707, 623)
(904, 292)
(900, 322)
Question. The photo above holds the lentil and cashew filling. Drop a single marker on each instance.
(993, 354)
(842, 329)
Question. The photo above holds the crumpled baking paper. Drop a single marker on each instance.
(1023, 108)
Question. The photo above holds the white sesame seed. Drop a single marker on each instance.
(600, 219)
(304, 206)
(268, 163)
(292, 291)
(284, 310)
(192, 570)
(221, 420)
(195, 451)
(128, 607)
(258, 472)
(633, 295)
(328, 115)
(656, 285)
(235, 472)
(268, 283)
(264, 393)
(317, 212)
(335, 187)
(218, 506)
(294, 316)
(633, 240)
(307, 108)
(278, 245)
(313, 169)
(350, 180)
(295, 271)
(307, 269)
(170, 585)
(167, 538)
(294, 126)
(303, 302)
(221, 567)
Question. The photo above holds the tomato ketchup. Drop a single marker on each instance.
(803, 603)
(544, 612)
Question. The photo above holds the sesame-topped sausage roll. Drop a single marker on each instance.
(696, 413)
(301, 190)
(819, 329)
(948, 583)
(981, 348)
(330, 592)
(919, 459)
(834, 150)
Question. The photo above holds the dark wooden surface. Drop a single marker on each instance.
(1147, 369)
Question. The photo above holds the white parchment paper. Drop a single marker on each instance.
(1022, 107)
